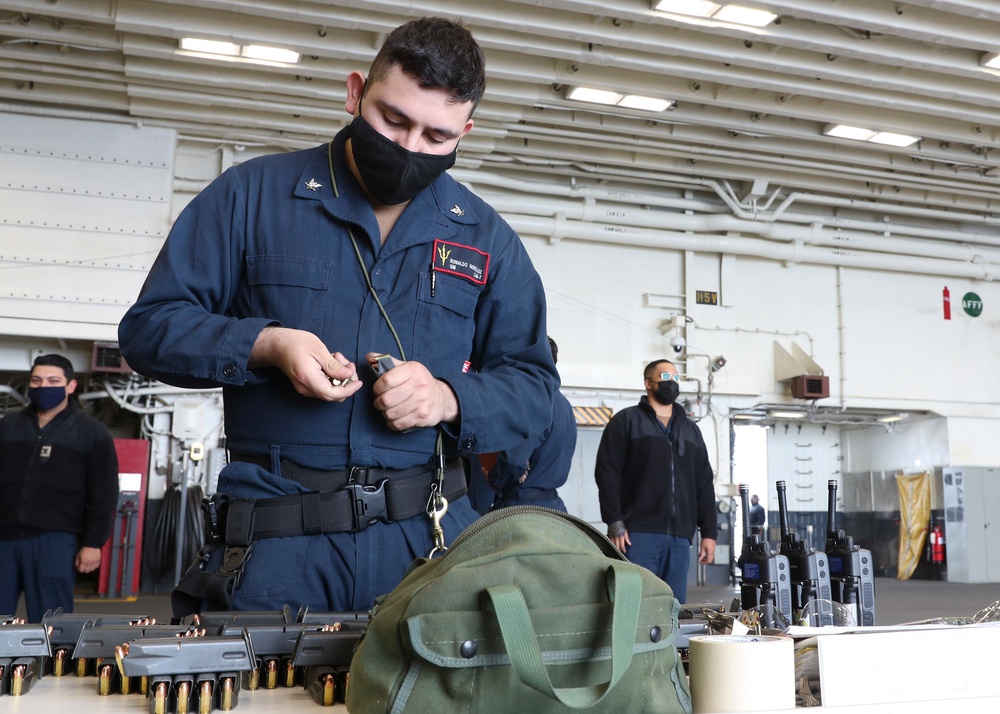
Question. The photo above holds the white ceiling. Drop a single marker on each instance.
(751, 104)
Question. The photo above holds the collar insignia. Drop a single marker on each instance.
(312, 184)
(457, 211)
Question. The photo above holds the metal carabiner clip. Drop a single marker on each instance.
(437, 507)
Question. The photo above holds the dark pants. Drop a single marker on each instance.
(330, 571)
(43, 568)
(668, 556)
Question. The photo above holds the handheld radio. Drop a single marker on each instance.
(809, 568)
(765, 581)
(852, 577)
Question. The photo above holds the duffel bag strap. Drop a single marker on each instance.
(625, 591)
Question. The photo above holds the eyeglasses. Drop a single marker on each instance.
(667, 376)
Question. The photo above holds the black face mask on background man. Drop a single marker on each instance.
(391, 173)
(667, 391)
(45, 398)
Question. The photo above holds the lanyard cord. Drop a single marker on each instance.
(361, 262)
(437, 504)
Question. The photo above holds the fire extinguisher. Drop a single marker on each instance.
(946, 295)
(937, 545)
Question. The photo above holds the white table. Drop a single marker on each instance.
(63, 695)
(72, 694)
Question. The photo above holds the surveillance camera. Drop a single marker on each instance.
(678, 343)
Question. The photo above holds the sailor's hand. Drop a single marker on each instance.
(409, 396)
(311, 368)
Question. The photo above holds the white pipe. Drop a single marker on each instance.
(881, 228)
(756, 331)
(841, 339)
(16, 395)
(49, 111)
(816, 234)
(737, 245)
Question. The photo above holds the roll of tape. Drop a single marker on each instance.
(741, 673)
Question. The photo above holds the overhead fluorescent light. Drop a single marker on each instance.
(646, 104)
(857, 133)
(889, 418)
(733, 14)
(610, 98)
(892, 139)
(991, 60)
(270, 54)
(778, 414)
(212, 47)
(695, 8)
(842, 131)
(747, 415)
(595, 96)
(252, 53)
(740, 15)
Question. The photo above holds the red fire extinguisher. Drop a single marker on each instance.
(946, 294)
(937, 545)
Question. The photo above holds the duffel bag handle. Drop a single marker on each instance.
(625, 591)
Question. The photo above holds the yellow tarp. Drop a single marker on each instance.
(914, 515)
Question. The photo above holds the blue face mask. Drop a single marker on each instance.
(45, 398)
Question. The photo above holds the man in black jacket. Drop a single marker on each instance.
(58, 492)
(655, 482)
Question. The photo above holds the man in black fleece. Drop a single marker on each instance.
(655, 482)
(58, 492)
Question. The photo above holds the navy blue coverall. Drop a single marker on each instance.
(543, 461)
(267, 244)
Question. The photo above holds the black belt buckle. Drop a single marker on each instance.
(367, 504)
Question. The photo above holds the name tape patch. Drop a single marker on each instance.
(461, 260)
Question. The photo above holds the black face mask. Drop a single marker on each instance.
(666, 392)
(45, 398)
(391, 173)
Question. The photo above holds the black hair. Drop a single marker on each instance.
(55, 360)
(439, 53)
(555, 350)
(650, 369)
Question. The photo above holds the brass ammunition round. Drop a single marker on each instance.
(58, 661)
(183, 697)
(17, 680)
(121, 652)
(271, 678)
(226, 699)
(160, 698)
(329, 689)
(205, 697)
(104, 680)
(289, 680)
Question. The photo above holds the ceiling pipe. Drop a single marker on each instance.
(845, 232)
(739, 163)
(640, 45)
(816, 234)
(790, 254)
(12, 393)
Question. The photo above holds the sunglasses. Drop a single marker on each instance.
(667, 376)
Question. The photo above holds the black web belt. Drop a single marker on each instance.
(517, 493)
(340, 501)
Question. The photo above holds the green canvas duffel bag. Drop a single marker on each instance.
(530, 611)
